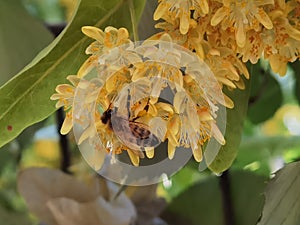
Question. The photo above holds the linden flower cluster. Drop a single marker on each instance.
(228, 33)
(129, 80)
(120, 107)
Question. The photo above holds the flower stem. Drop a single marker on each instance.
(226, 199)
(133, 21)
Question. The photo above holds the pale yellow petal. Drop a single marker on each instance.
(74, 79)
(149, 152)
(134, 158)
(171, 150)
(197, 153)
(228, 102)
(204, 116)
(226, 81)
(158, 127)
(172, 138)
(160, 11)
(123, 33)
(67, 124)
(86, 67)
(184, 23)
(55, 96)
(294, 33)
(89, 132)
(217, 134)
(59, 104)
(164, 106)
(64, 89)
(219, 16)
(264, 19)
(93, 32)
(240, 84)
(240, 34)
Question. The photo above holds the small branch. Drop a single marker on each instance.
(65, 152)
(56, 29)
(63, 143)
(227, 199)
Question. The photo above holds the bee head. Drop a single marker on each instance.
(106, 116)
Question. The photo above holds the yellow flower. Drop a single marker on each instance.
(282, 44)
(122, 109)
(65, 96)
(242, 16)
(254, 47)
(191, 40)
(105, 41)
(226, 66)
(184, 10)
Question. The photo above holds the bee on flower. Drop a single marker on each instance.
(120, 109)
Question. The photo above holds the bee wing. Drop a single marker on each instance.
(158, 127)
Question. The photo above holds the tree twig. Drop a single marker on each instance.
(63, 143)
(63, 139)
(228, 211)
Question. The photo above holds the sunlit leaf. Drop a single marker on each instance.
(21, 38)
(25, 100)
(282, 197)
(266, 96)
(256, 152)
(202, 203)
(234, 129)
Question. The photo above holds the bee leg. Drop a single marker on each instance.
(128, 103)
(121, 189)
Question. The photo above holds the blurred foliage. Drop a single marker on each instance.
(49, 11)
(202, 204)
(234, 127)
(16, 52)
(264, 89)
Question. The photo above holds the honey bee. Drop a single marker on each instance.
(133, 134)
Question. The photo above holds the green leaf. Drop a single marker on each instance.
(8, 156)
(256, 152)
(25, 100)
(13, 217)
(49, 11)
(202, 203)
(282, 205)
(234, 129)
(296, 67)
(146, 25)
(266, 96)
(21, 38)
